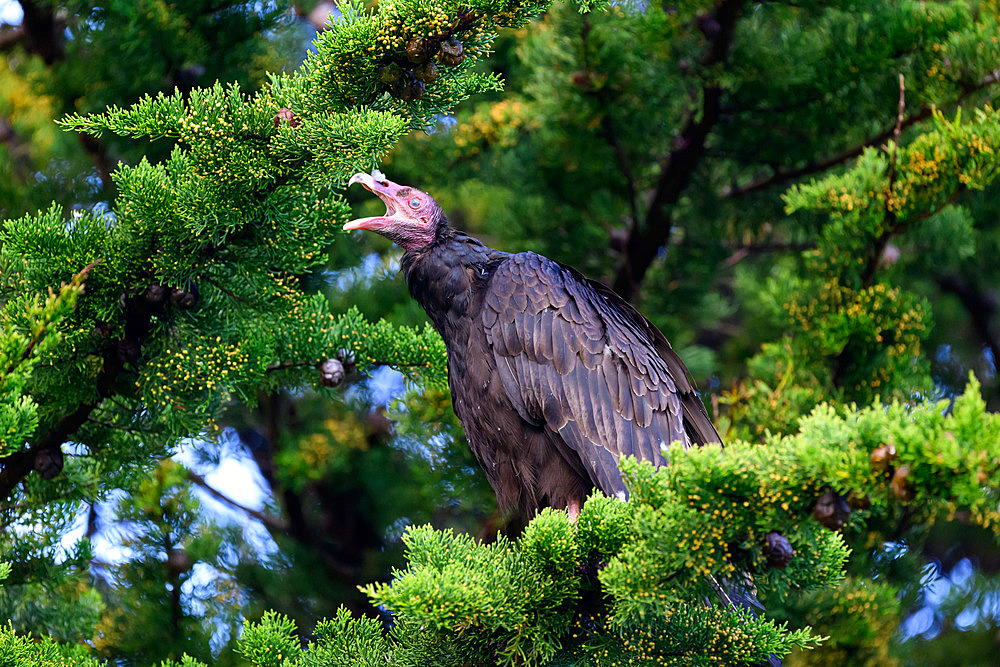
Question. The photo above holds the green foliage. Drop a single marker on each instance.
(19, 651)
(484, 600)
(346, 642)
(172, 547)
(939, 462)
(856, 334)
(269, 643)
(626, 581)
(202, 292)
(195, 295)
(28, 330)
(246, 201)
(185, 661)
(80, 57)
(64, 608)
(210, 289)
(866, 612)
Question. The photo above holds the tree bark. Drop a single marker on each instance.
(645, 239)
(44, 31)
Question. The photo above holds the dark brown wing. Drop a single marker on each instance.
(577, 359)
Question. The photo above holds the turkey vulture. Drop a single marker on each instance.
(554, 376)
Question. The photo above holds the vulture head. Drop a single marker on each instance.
(411, 219)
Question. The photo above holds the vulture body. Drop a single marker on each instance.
(554, 377)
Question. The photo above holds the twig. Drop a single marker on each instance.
(288, 364)
(844, 156)
(224, 290)
(269, 521)
(128, 429)
(891, 223)
(892, 226)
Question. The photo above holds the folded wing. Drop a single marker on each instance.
(579, 361)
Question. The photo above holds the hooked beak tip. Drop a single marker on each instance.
(355, 224)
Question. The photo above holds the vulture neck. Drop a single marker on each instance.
(447, 277)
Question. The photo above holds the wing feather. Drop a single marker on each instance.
(574, 358)
(563, 355)
(624, 393)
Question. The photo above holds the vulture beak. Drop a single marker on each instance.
(411, 216)
(376, 183)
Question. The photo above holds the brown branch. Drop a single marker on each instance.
(644, 241)
(45, 454)
(35, 340)
(891, 224)
(782, 177)
(10, 35)
(742, 252)
(222, 289)
(271, 522)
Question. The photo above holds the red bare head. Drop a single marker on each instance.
(411, 217)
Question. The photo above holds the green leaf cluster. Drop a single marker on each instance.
(28, 330)
(195, 296)
(20, 651)
(626, 583)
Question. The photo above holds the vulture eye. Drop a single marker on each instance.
(415, 202)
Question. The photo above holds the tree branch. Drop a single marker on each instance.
(45, 455)
(271, 522)
(850, 153)
(892, 225)
(645, 240)
(224, 290)
(10, 35)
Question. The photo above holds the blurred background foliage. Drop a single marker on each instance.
(726, 166)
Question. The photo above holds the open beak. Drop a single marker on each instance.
(375, 183)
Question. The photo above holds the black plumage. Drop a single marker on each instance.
(553, 376)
